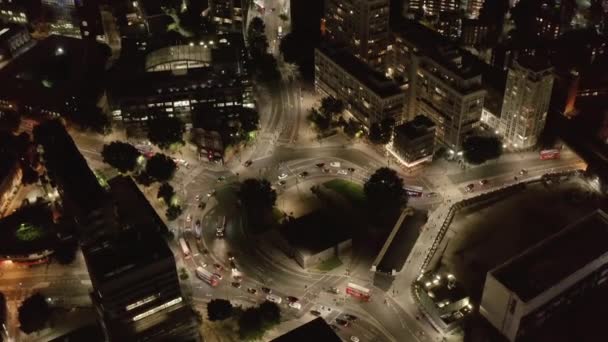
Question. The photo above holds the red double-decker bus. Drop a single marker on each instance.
(549, 154)
(358, 291)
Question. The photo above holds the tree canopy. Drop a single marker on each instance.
(381, 133)
(254, 322)
(65, 252)
(173, 212)
(270, 312)
(165, 131)
(120, 155)
(257, 194)
(219, 309)
(479, 149)
(384, 193)
(331, 106)
(166, 192)
(160, 167)
(34, 313)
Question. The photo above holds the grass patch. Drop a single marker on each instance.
(29, 232)
(349, 190)
(329, 264)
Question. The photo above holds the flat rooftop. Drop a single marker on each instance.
(315, 330)
(133, 207)
(367, 76)
(547, 263)
(114, 255)
(315, 232)
(415, 128)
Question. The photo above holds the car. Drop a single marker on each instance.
(204, 264)
(202, 205)
(252, 291)
(189, 218)
(342, 172)
(236, 284)
(211, 193)
(295, 305)
(230, 256)
(432, 194)
(469, 187)
(266, 290)
(342, 322)
(334, 290)
(248, 163)
(233, 267)
(354, 339)
(218, 276)
(350, 317)
(303, 174)
(274, 298)
(315, 313)
(282, 182)
(197, 197)
(292, 299)
(483, 182)
(237, 278)
(334, 164)
(523, 172)
(351, 169)
(320, 165)
(282, 176)
(221, 179)
(218, 266)
(326, 170)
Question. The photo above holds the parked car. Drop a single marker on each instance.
(274, 298)
(342, 172)
(248, 163)
(334, 164)
(483, 182)
(295, 305)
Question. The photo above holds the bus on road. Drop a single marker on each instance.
(207, 276)
(549, 154)
(184, 247)
(358, 291)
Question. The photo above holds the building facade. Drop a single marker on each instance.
(369, 96)
(432, 7)
(227, 14)
(11, 11)
(526, 101)
(414, 141)
(520, 295)
(361, 25)
(14, 40)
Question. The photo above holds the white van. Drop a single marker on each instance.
(274, 298)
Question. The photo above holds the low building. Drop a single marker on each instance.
(54, 77)
(414, 141)
(544, 280)
(315, 237)
(369, 96)
(315, 330)
(14, 40)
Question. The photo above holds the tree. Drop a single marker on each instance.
(251, 325)
(160, 167)
(352, 128)
(271, 314)
(173, 212)
(331, 106)
(166, 192)
(321, 122)
(165, 131)
(89, 116)
(34, 313)
(65, 252)
(381, 133)
(249, 119)
(257, 194)
(120, 155)
(479, 149)
(385, 194)
(29, 175)
(219, 309)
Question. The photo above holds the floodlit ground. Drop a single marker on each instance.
(481, 238)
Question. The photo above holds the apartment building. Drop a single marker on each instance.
(361, 25)
(370, 97)
(525, 292)
(432, 7)
(526, 101)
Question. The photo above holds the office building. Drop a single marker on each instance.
(88, 16)
(431, 7)
(136, 291)
(189, 81)
(475, 33)
(473, 7)
(526, 101)
(361, 25)
(227, 14)
(520, 295)
(414, 141)
(449, 25)
(369, 96)
(14, 11)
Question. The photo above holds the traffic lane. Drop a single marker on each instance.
(493, 169)
(360, 328)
